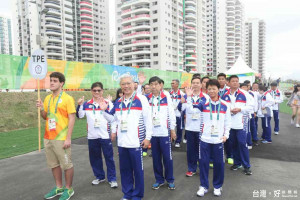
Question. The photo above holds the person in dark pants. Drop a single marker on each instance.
(278, 99)
(98, 136)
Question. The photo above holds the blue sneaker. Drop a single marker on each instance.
(266, 142)
(171, 186)
(156, 186)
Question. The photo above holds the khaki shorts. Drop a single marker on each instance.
(56, 155)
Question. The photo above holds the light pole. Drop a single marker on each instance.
(39, 39)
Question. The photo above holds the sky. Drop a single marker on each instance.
(282, 33)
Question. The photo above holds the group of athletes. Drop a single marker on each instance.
(217, 116)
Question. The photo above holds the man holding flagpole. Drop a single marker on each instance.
(59, 111)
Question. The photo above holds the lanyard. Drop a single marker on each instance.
(53, 101)
(197, 98)
(175, 96)
(223, 92)
(157, 103)
(210, 110)
(94, 110)
(131, 100)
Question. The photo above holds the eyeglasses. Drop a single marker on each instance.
(97, 91)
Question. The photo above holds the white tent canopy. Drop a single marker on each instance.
(242, 70)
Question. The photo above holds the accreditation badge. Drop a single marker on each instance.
(124, 125)
(52, 124)
(97, 122)
(156, 121)
(214, 130)
(195, 116)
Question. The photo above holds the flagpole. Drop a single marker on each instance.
(39, 114)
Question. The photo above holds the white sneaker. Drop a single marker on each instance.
(201, 192)
(292, 121)
(249, 147)
(297, 125)
(97, 181)
(276, 133)
(177, 145)
(218, 192)
(184, 141)
(113, 184)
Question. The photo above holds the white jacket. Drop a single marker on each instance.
(86, 109)
(193, 115)
(265, 100)
(243, 100)
(166, 115)
(223, 124)
(139, 121)
(278, 98)
(176, 98)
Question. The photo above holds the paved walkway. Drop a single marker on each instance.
(275, 167)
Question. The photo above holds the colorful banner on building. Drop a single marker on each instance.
(14, 74)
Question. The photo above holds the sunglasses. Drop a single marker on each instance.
(97, 91)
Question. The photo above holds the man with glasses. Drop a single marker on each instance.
(98, 135)
(134, 127)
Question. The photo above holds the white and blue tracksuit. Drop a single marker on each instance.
(135, 113)
(176, 98)
(215, 114)
(238, 133)
(266, 101)
(278, 99)
(192, 129)
(253, 123)
(164, 120)
(254, 103)
(98, 139)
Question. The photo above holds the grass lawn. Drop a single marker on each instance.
(18, 124)
(19, 142)
(284, 108)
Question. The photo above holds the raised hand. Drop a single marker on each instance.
(103, 105)
(189, 91)
(109, 97)
(142, 78)
(80, 101)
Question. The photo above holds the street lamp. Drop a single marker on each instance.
(42, 42)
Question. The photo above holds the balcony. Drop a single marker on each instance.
(55, 39)
(54, 46)
(190, 2)
(190, 16)
(69, 30)
(88, 28)
(137, 34)
(86, 16)
(52, 25)
(128, 3)
(88, 46)
(86, 22)
(86, 4)
(190, 44)
(136, 18)
(190, 57)
(137, 51)
(137, 26)
(89, 40)
(53, 32)
(86, 34)
(53, 11)
(137, 43)
(52, 4)
(52, 18)
(86, 10)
